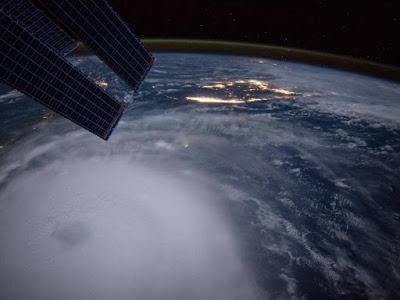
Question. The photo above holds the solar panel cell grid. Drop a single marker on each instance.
(38, 24)
(52, 81)
(94, 22)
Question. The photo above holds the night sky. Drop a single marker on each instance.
(362, 29)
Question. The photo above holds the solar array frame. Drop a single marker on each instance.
(38, 24)
(30, 66)
(101, 29)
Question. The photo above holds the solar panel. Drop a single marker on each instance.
(30, 66)
(99, 27)
(38, 24)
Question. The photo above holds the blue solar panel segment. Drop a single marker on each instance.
(100, 28)
(31, 67)
(38, 24)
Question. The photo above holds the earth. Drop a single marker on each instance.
(228, 177)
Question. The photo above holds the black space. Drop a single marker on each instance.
(362, 29)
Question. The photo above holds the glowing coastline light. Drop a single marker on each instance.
(200, 99)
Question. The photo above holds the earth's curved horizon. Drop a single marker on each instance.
(324, 59)
(229, 177)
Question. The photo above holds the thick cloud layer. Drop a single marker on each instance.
(111, 228)
(186, 198)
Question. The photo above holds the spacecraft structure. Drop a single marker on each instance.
(33, 50)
